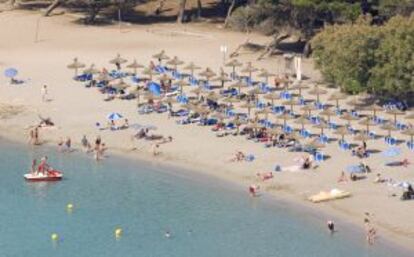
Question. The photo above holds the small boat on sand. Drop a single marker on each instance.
(51, 175)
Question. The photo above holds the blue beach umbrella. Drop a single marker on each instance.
(10, 73)
(392, 152)
(114, 116)
(154, 88)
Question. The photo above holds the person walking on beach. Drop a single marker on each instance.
(36, 136)
(331, 226)
(44, 93)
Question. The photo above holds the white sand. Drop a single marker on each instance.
(76, 109)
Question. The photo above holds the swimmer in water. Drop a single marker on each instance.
(167, 234)
(331, 226)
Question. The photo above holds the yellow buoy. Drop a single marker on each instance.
(118, 232)
(54, 237)
(69, 207)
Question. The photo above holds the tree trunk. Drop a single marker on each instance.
(199, 9)
(181, 11)
(52, 6)
(229, 12)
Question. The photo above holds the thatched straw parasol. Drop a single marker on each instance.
(181, 84)
(249, 69)
(410, 116)
(137, 92)
(368, 122)
(75, 65)
(265, 74)
(328, 113)
(248, 106)
(395, 112)
(222, 77)
(191, 67)
(91, 70)
(275, 131)
(134, 66)
(234, 63)
(197, 91)
(409, 132)
(315, 144)
(285, 116)
(317, 91)
(308, 108)
(303, 120)
(239, 85)
(342, 131)
(291, 103)
(118, 60)
(161, 56)
(322, 125)
(336, 97)
(348, 117)
(119, 85)
(264, 111)
(207, 74)
(373, 108)
(230, 100)
(297, 85)
(175, 62)
(272, 97)
(363, 137)
(150, 72)
(213, 96)
(165, 77)
(389, 127)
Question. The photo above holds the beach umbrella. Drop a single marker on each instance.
(342, 131)
(275, 131)
(308, 108)
(272, 97)
(222, 77)
(249, 69)
(355, 102)
(328, 113)
(285, 81)
(118, 60)
(410, 116)
(391, 152)
(175, 62)
(336, 97)
(314, 144)
(114, 116)
(297, 85)
(75, 65)
(389, 127)
(207, 74)
(317, 91)
(230, 100)
(119, 85)
(303, 120)
(363, 137)
(248, 106)
(169, 100)
(294, 136)
(161, 56)
(255, 125)
(285, 116)
(137, 92)
(91, 70)
(291, 102)
(150, 72)
(213, 96)
(395, 112)
(322, 125)
(165, 77)
(197, 91)
(368, 121)
(255, 91)
(181, 84)
(200, 110)
(191, 67)
(373, 108)
(239, 85)
(265, 74)
(234, 63)
(264, 111)
(134, 66)
(409, 132)
(103, 76)
(348, 117)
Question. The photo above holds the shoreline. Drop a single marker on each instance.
(294, 202)
(75, 109)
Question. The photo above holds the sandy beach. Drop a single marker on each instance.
(76, 110)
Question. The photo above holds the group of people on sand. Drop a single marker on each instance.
(99, 147)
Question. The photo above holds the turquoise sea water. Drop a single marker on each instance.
(205, 217)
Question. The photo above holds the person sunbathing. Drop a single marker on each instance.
(265, 176)
(379, 179)
(342, 178)
(307, 163)
(239, 156)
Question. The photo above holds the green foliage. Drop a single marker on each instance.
(360, 57)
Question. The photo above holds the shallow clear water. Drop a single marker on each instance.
(205, 217)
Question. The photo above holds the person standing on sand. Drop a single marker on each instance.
(155, 149)
(31, 137)
(44, 93)
(36, 136)
(331, 226)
